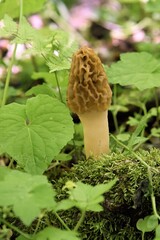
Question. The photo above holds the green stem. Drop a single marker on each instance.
(142, 235)
(8, 77)
(80, 221)
(115, 122)
(35, 66)
(38, 223)
(53, 165)
(157, 106)
(11, 163)
(139, 144)
(145, 114)
(15, 229)
(115, 113)
(59, 90)
(61, 221)
(153, 200)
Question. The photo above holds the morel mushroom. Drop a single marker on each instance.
(89, 96)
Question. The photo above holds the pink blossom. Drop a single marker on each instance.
(19, 52)
(2, 71)
(4, 43)
(36, 21)
(16, 69)
(138, 36)
(80, 17)
(1, 24)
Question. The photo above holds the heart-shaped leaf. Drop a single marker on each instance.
(148, 224)
(33, 134)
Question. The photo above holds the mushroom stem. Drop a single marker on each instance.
(96, 132)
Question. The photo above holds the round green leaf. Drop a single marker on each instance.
(157, 233)
(152, 223)
(141, 225)
(148, 224)
(141, 70)
(33, 134)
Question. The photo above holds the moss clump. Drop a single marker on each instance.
(126, 202)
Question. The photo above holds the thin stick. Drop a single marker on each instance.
(59, 89)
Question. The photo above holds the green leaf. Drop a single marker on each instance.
(23, 238)
(152, 6)
(40, 89)
(63, 48)
(148, 224)
(50, 78)
(25, 32)
(123, 137)
(134, 121)
(133, 139)
(157, 233)
(22, 32)
(155, 132)
(41, 45)
(52, 233)
(141, 70)
(152, 222)
(141, 225)
(64, 205)
(153, 112)
(9, 27)
(3, 172)
(87, 197)
(58, 63)
(33, 134)
(26, 194)
(118, 108)
(12, 8)
(63, 157)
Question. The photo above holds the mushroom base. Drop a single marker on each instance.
(96, 133)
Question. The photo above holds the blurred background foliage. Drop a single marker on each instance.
(110, 27)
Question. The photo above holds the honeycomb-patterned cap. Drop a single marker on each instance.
(88, 88)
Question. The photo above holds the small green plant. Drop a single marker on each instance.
(148, 224)
(140, 71)
(31, 196)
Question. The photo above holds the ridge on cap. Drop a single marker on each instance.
(88, 88)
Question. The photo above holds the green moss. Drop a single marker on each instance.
(127, 201)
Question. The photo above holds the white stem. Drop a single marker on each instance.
(96, 132)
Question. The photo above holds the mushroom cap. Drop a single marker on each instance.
(88, 88)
